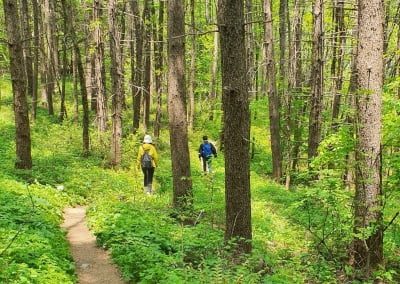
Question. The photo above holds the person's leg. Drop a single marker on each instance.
(150, 179)
(145, 179)
(204, 160)
(209, 160)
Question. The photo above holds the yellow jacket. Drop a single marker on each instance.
(152, 152)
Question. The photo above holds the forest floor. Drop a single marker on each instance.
(93, 264)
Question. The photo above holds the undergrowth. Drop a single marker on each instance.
(299, 235)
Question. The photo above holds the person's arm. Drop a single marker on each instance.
(155, 156)
(213, 150)
(139, 156)
(200, 150)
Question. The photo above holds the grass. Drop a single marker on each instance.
(297, 234)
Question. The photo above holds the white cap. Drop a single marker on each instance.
(147, 139)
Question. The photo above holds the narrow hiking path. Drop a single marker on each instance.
(93, 264)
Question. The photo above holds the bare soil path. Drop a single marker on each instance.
(93, 264)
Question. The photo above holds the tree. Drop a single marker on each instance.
(315, 120)
(367, 253)
(98, 70)
(15, 48)
(274, 117)
(116, 79)
(236, 124)
(182, 184)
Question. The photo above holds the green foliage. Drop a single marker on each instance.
(32, 245)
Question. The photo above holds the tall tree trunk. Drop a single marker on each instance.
(274, 117)
(235, 102)
(337, 59)
(116, 79)
(367, 250)
(36, 23)
(18, 80)
(295, 76)
(69, 9)
(192, 68)
(137, 70)
(27, 42)
(101, 101)
(50, 64)
(158, 58)
(315, 120)
(214, 74)
(182, 184)
(147, 64)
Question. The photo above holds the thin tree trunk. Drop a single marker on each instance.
(146, 64)
(101, 99)
(36, 23)
(18, 80)
(192, 68)
(337, 59)
(274, 117)
(315, 120)
(137, 70)
(27, 41)
(158, 58)
(69, 9)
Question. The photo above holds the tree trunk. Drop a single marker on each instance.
(81, 75)
(137, 71)
(158, 58)
(50, 47)
(116, 79)
(367, 253)
(146, 64)
(182, 183)
(18, 80)
(315, 120)
(101, 106)
(35, 75)
(27, 42)
(192, 67)
(295, 76)
(274, 117)
(337, 59)
(236, 124)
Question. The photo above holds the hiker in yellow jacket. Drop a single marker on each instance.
(147, 160)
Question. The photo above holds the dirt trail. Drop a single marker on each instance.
(93, 264)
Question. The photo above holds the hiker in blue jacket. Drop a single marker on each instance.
(206, 151)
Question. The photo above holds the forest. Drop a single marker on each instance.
(300, 98)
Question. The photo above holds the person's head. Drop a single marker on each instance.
(147, 139)
(205, 138)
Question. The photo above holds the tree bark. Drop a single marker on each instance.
(315, 120)
(116, 79)
(274, 117)
(367, 254)
(182, 184)
(158, 58)
(18, 80)
(192, 68)
(137, 70)
(235, 102)
(101, 101)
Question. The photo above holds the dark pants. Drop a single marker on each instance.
(207, 163)
(148, 175)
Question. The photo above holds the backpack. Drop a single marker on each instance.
(207, 151)
(146, 159)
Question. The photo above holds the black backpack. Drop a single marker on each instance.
(146, 159)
